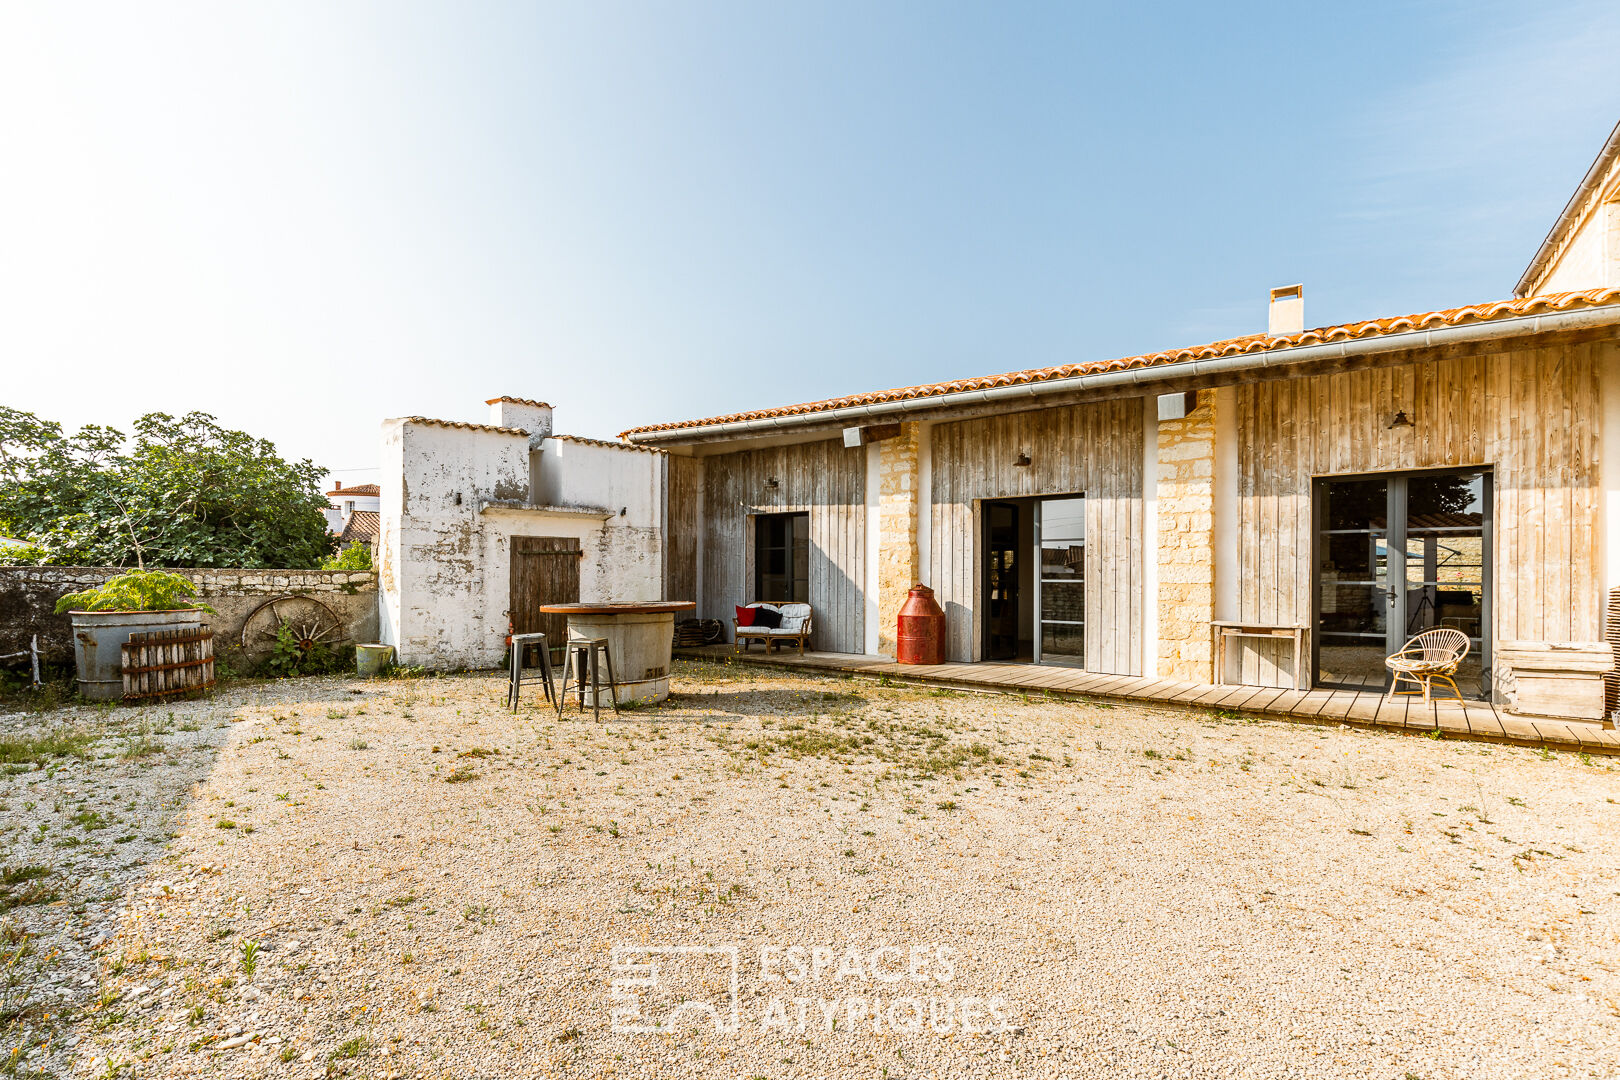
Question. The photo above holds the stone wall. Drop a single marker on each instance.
(899, 561)
(28, 596)
(1187, 543)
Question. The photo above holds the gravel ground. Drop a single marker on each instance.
(399, 878)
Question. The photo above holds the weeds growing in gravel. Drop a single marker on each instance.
(250, 957)
(38, 750)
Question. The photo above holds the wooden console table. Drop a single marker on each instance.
(1224, 629)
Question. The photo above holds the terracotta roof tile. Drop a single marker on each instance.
(519, 401)
(1254, 343)
(463, 425)
(361, 528)
(583, 441)
(358, 489)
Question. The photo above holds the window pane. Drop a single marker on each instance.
(1062, 643)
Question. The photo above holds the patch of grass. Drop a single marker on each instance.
(89, 820)
(477, 752)
(21, 886)
(358, 744)
(141, 747)
(351, 1048)
(460, 775)
(37, 750)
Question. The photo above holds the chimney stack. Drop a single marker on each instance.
(514, 412)
(338, 486)
(1287, 310)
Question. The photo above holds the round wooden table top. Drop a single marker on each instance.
(628, 607)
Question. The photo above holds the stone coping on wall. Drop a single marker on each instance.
(211, 581)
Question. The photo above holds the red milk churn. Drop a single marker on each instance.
(922, 629)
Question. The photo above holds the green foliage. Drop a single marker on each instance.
(178, 492)
(24, 555)
(354, 557)
(289, 658)
(137, 590)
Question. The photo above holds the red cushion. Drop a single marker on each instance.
(745, 616)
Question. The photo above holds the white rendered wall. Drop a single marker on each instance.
(448, 561)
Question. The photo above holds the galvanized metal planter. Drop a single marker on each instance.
(99, 637)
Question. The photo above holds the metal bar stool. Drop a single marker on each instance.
(521, 643)
(591, 651)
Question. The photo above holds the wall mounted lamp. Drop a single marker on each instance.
(1023, 460)
(772, 483)
(1400, 419)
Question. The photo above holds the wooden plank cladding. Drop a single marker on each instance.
(681, 528)
(1093, 449)
(1532, 416)
(159, 663)
(825, 480)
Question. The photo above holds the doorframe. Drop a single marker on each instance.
(981, 566)
(1396, 510)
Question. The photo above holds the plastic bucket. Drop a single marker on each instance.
(372, 659)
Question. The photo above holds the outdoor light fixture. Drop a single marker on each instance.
(1400, 419)
(1023, 460)
(772, 483)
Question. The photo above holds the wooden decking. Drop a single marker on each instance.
(1473, 720)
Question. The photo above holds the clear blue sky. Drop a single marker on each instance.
(304, 217)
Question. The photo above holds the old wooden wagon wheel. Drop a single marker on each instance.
(311, 623)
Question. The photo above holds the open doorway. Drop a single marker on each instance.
(1034, 567)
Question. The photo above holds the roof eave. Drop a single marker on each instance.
(1571, 210)
(1147, 377)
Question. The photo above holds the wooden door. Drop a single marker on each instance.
(545, 570)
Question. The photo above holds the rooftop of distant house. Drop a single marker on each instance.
(358, 491)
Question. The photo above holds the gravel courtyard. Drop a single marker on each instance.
(400, 878)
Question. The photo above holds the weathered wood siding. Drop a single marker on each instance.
(681, 527)
(1532, 416)
(823, 479)
(1093, 449)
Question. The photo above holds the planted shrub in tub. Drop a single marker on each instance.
(105, 616)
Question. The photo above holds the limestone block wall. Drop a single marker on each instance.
(28, 596)
(899, 560)
(1186, 556)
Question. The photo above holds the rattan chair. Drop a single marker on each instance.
(1430, 657)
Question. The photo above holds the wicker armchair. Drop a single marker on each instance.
(1430, 657)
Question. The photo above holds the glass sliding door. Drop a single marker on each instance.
(1396, 556)
(1060, 530)
(1445, 566)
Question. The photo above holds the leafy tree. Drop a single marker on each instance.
(138, 590)
(354, 556)
(178, 492)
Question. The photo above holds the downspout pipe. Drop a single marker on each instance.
(1147, 377)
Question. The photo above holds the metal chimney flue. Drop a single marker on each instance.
(1287, 314)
